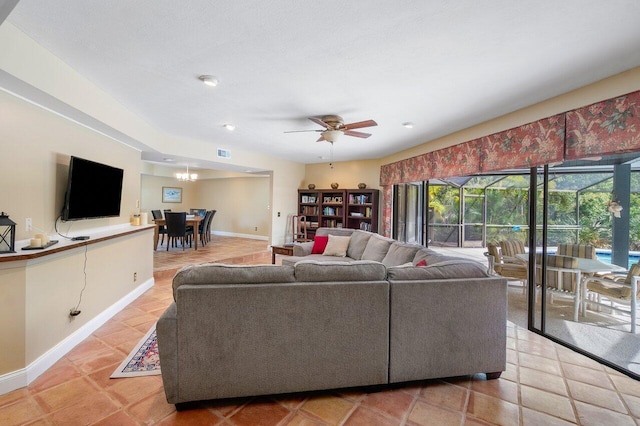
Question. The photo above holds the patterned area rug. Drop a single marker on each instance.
(143, 359)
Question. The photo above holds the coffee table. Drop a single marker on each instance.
(285, 250)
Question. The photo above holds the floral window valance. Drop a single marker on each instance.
(607, 127)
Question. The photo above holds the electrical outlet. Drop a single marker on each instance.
(256, 228)
(135, 277)
(29, 224)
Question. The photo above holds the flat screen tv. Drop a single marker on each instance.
(94, 190)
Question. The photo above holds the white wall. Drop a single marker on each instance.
(36, 295)
(44, 75)
(34, 165)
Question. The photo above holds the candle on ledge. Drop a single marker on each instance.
(36, 242)
(44, 238)
(144, 218)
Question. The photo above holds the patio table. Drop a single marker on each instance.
(585, 269)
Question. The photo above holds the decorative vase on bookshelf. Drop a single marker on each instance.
(362, 185)
(334, 185)
(311, 186)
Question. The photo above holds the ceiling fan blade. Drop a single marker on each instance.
(300, 131)
(360, 124)
(320, 122)
(357, 134)
(321, 138)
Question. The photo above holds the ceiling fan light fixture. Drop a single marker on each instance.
(331, 135)
(209, 80)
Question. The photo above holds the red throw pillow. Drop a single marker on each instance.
(319, 244)
(423, 262)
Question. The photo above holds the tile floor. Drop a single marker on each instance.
(544, 383)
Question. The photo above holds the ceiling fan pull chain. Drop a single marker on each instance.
(331, 156)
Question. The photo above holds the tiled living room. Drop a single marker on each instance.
(247, 99)
(544, 383)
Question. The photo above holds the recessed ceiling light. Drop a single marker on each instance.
(168, 159)
(408, 124)
(209, 80)
(229, 127)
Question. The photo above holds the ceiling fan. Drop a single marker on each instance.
(334, 127)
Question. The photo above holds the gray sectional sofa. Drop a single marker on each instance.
(267, 329)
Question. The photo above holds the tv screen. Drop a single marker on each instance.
(94, 190)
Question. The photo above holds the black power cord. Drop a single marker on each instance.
(74, 312)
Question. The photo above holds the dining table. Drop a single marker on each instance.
(585, 269)
(192, 220)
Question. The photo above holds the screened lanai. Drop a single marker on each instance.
(467, 213)
(472, 211)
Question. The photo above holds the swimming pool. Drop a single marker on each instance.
(605, 256)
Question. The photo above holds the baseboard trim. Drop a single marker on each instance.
(234, 234)
(23, 377)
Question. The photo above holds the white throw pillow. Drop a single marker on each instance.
(337, 246)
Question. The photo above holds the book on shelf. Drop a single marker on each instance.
(358, 199)
(309, 210)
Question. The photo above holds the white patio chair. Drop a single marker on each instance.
(621, 290)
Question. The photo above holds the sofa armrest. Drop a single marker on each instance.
(447, 327)
(167, 332)
(302, 249)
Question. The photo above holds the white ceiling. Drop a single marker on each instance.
(443, 65)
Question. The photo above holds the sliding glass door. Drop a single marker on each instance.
(409, 213)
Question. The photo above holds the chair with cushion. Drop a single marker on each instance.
(202, 230)
(563, 277)
(620, 290)
(177, 228)
(585, 251)
(207, 231)
(516, 271)
(511, 249)
(162, 230)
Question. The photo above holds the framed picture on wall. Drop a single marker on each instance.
(171, 194)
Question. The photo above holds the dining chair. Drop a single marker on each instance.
(162, 230)
(563, 278)
(585, 251)
(511, 249)
(202, 230)
(208, 228)
(620, 290)
(516, 271)
(177, 228)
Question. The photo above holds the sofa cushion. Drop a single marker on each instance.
(358, 270)
(334, 231)
(459, 268)
(337, 246)
(400, 253)
(377, 248)
(431, 256)
(218, 273)
(319, 244)
(358, 243)
(292, 260)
